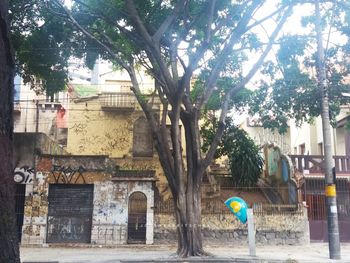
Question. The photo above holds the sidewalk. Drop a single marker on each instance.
(315, 252)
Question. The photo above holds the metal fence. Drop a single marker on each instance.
(279, 209)
(215, 205)
(218, 207)
(314, 195)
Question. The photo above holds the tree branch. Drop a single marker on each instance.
(180, 5)
(159, 133)
(259, 22)
(224, 109)
(89, 35)
(155, 49)
(194, 60)
(173, 56)
(234, 38)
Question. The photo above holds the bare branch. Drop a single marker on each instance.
(173, 56)
(210, 21)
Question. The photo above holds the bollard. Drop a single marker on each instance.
(251, 232)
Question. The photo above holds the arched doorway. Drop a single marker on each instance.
(137, 218)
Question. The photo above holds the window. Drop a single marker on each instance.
(142, 140)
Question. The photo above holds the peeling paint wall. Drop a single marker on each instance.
(110, 216)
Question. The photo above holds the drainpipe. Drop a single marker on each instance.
(35, 142)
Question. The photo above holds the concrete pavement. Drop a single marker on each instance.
(313, 253)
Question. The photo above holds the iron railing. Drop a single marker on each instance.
(117, 100)
(315, 163)
(313, 194)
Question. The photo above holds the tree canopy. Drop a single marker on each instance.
(290, 89)
(43, 46)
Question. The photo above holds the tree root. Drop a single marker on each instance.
(185, 253)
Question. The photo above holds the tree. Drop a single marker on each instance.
(9, 248)
(176, 42)
(43, 45)
(243, 154)
(332, 216)
(173, 40)
(312, 85)
(290, 88)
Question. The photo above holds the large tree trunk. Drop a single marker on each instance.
(9, 248)
(187, 198)
(188, 219)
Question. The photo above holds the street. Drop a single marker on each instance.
(315, 252)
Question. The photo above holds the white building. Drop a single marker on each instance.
(40, 113)
(308, 139)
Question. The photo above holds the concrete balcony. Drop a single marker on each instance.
(124, 101)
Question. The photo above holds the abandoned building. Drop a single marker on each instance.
(94, 178)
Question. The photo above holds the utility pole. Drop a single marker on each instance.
(330, 191)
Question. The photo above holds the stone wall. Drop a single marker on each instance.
(278, 229)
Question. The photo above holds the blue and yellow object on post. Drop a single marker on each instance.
(238, 207)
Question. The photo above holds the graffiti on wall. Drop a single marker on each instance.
(68, 175)
(23, 175)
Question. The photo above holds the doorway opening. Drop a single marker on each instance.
(137, 218)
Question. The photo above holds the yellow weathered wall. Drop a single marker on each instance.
(93, 131)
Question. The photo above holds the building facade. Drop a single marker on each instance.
(106, 185)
